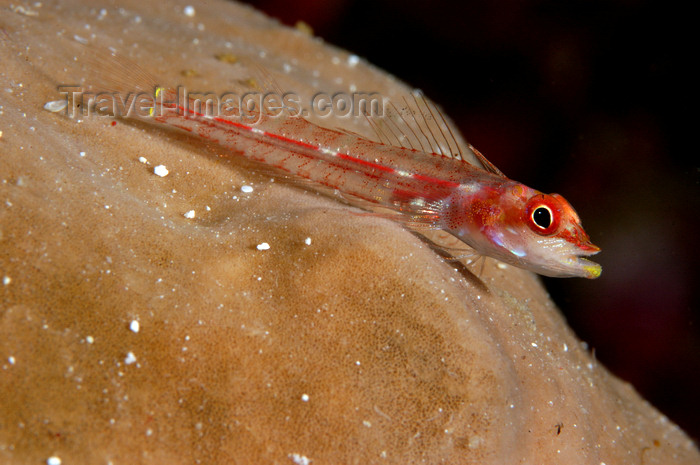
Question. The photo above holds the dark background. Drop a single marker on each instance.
(590, 99)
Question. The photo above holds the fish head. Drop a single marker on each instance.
(556, 240)
(535, 231)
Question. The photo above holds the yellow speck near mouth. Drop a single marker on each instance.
(593, 270)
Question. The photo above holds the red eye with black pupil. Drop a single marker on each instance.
(542, 216)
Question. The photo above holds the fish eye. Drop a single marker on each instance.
(542, 217)
(543, 214)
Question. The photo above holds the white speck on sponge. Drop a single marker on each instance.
(53, 461)
(353, 60)
(189, 214)
(11, 359)
(89, 339)
(82, 154)
(56, 105)
(189, 11)
(130, 358)
(134, 326)
(246, 189)
(161, 171)
(300, 459)
(263, 246)
(143, 160)
(307, 241)
(305, 397)
(6, 280)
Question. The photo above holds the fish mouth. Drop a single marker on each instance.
(591, 270)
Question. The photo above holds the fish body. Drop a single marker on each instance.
(494, 215)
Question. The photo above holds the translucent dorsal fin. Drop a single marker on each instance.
(419, 124)
(261, 78)
(488, 166)
(110, 71)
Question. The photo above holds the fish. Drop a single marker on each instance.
(416, 171)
